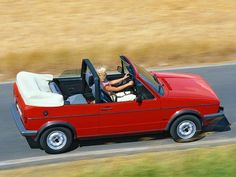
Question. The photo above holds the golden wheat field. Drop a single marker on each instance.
(51, 36)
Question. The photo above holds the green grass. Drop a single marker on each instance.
(204, 162)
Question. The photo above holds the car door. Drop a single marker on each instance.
(130, 116)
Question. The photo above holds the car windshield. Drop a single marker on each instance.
(150, 79)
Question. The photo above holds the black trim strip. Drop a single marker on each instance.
(166, 108)
(81, 115)
(111, 113)
(218, 122)
(214, 116)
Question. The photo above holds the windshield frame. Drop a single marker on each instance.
(155, 86)
(150, 79)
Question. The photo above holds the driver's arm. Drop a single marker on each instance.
(110, 88)
(116, 81)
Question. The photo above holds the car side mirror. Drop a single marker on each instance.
(119, 69)
(139, 98)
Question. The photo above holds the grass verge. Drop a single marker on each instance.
(208, 162)
(52, 36)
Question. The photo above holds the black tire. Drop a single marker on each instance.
(186, 128)
(56, 140)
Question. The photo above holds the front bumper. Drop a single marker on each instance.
(216, 122)
(17, 118)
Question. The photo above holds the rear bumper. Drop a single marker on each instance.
(17, 118)
(216, 122)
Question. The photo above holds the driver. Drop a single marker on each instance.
(111, 89)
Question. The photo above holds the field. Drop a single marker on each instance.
(207, 162)
(51, 36)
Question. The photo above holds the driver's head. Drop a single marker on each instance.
(102, 73)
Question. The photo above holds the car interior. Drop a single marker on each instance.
(75, 91)
(44, 90)
(82, 90)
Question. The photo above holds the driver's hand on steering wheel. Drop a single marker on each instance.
(130, 83)
(125, 76)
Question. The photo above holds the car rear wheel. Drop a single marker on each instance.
(56, 140)
(186, 128)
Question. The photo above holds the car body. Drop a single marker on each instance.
(182, 104)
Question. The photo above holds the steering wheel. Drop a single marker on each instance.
(130, 88)
(129, 78)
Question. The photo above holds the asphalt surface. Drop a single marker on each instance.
(221, 78)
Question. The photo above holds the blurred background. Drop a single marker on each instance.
(53, 36)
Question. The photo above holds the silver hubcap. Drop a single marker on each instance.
(56, 140)
(186, 129)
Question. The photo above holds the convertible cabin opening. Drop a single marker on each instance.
(41, 90)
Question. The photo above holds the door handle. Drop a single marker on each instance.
(106, 108)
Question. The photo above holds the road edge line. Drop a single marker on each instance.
(52, 158)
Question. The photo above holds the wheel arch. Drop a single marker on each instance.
(182, 113)
(53, 125)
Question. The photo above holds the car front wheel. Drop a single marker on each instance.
(186, 128)
(56, 140)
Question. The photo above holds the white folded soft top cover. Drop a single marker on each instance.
(35, 90)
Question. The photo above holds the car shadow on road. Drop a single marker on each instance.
(119, 139)
(114, 140)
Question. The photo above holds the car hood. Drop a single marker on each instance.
(187, 85)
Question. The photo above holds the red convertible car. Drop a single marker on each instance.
(56, 111)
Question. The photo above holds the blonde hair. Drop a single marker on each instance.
(102, 73)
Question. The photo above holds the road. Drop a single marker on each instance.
(14, 148)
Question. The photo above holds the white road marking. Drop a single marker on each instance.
(193, 66)
(106, 152)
